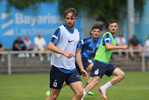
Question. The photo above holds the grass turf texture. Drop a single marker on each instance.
(135, 86)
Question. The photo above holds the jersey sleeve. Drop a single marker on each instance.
(56, 36)
(107, 39)
(84, 41)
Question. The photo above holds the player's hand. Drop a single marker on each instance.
(68, 54)
(124, 47)
(84, 73)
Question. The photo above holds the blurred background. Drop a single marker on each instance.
(29, 17)
(21, 18)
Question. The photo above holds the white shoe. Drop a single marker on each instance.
(21, 55)
(103, 92)
(2, 59)
(27, 55)
(33, 55)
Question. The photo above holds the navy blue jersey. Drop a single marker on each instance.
(89, 46)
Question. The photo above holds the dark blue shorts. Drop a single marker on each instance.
(86, 62)
(99, 69)
(57, 78)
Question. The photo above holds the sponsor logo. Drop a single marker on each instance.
(13, 23)
(90, 61)
(77, 76)
(93, 51)
(40, 19)
(9, 32)
(96, 72)
(55, 83)
(97, 45)
(70, 41)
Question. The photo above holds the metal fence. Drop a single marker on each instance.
(137, 51)
(9, 53)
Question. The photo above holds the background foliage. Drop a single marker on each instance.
(107, 10)
(21, 4)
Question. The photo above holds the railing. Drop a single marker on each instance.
(19, 52)
(137, 50)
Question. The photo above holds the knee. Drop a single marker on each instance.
(122, 75)
(54, 97)
(96, 82)
(79, 94)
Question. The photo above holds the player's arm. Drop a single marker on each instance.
(109, 46)
(52, 44)
(78, 59)
(79, 62)
(52, 47)
(107, 40)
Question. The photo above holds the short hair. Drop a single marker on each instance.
(70, 10)
(96, 27)
(112, 21)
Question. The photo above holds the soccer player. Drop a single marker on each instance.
(89, 46)
(102, 66)
(65, 52)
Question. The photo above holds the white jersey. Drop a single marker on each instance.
(67, 42)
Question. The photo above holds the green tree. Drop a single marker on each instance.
(21, 4)
(106, 9)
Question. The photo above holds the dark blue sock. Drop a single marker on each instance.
(86, 84)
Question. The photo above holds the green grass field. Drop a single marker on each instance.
(135, 86)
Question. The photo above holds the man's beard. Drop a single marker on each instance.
(70, 25)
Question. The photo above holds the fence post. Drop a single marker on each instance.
(9, 63)
(143, 62)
